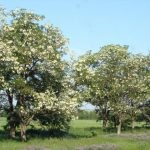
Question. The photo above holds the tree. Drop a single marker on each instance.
(138, 82)
(31, 67)
(144, 95)
(111, 79)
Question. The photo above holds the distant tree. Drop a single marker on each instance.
(86, 114)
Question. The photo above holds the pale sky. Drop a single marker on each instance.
(91, 24)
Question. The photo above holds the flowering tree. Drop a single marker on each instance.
(31, 68)
(113, 80)
(137, 84)
(59, 112)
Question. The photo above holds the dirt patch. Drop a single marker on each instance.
(145, 136)
(36, 148)
(99, 147)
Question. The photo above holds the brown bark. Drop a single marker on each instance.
(104, 123)
(132, 124)
(23, 132)
(10, 100)
(119, 127)
(12, 131)
(105, 114)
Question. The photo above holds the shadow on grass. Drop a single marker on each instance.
(81, 133)
(43, 134)
(99, 130)
(4, 135)
(34, 134)
(110, 130)
(73, 133)
(39, 133)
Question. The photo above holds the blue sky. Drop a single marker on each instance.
(91, 24)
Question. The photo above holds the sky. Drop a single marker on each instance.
(91, 24)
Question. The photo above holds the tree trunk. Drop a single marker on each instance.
(23, 132)
(12, 125)
(119, 127)
(115, 122)
(104, 123)
(105, 114)
(132, 124)
(12, 131)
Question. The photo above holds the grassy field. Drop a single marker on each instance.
(83, 133)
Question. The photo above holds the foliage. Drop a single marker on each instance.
(32, 69)
(113, 80)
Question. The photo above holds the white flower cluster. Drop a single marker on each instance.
(63, 104)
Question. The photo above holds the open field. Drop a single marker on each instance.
(83, 133)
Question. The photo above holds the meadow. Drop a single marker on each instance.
(83, 135)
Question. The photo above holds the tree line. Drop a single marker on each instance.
(37, 83)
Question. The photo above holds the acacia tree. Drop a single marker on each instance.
(31, 67)
(110, 79)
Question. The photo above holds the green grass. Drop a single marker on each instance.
(85, 123)
(82, 133)
(70, 144)
(2, 122)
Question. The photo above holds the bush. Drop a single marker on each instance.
(53, 120)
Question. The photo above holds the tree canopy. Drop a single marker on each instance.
(32, 69)
(113, 80)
